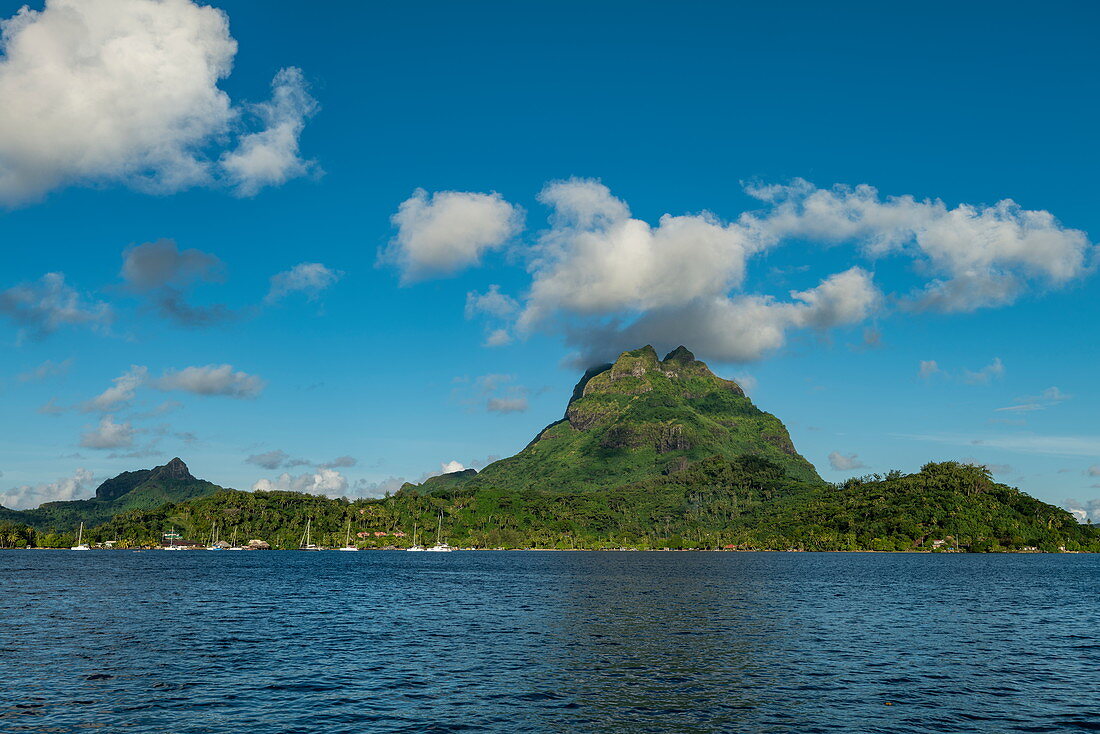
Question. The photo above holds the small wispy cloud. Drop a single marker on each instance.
(842, 462)
(992, 371)
(46, 370)
(1026, 444)
(1047, 398)
(928, 369)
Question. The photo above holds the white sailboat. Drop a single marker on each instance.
(235, 546)
(214, 539)
(347, 540)
(415, 547)
(439, 547)
(307, 543)
(79, 539)
(172, 537)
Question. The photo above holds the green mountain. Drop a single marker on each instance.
(142, 489)
(637, 418)
(651, 453)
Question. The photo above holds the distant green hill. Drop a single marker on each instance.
(638, 418)
(142, 489)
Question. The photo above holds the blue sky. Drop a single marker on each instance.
(169, 166)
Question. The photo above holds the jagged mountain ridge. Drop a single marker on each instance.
(132, 490)
(637, 418)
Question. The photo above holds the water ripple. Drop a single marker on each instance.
(200, 642)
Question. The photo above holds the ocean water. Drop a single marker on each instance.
(257, 642)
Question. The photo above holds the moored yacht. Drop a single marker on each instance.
(307, 543)
(347, 540)
(80, 545)
(415, 546)
(439, 546)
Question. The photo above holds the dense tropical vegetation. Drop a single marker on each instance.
(748, 503)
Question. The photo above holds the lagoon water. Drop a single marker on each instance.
(199, 642)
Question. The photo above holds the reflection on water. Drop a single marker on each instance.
(601, 642)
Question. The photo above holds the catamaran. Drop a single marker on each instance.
(439, 547)
(79, 539)
(307, 544)
(347, 540)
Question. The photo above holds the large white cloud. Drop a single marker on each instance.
(977, 256)
(608, 280)
(738, 329)
(126, 91)
(611, 282)
(77, 486)
(441, 233)
(597, 259)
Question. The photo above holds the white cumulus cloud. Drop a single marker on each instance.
(126, 91)
(270, 156)
(1088, 511)
(597, 259)
(739, 329)
(979, 256)
(108, 435)
(606, 280)
(441, 233)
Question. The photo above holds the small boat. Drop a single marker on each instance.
(347, 540)
(307, 543)
(439, 547)
(80, 545)
(172, 537)
(214, 539)
(415, 547)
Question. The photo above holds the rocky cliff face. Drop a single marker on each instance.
(643, 416)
